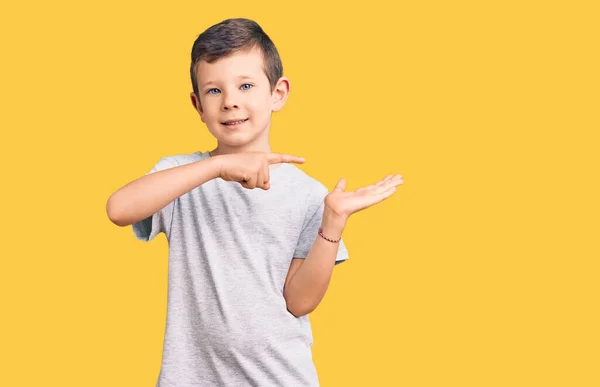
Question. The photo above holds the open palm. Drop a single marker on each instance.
(345, 203)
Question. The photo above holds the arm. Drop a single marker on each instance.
(308, 278)
(148, 194)
(145, 196)
(307, 281)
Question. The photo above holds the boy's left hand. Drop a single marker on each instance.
(342, 204)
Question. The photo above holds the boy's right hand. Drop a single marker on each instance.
(251, 169)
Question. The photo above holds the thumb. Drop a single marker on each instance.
(341, 185)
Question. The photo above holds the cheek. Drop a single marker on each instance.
(209, 105)
(260, 106)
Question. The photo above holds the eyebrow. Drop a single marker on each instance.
(242, 77)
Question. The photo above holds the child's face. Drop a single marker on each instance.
(236, 88)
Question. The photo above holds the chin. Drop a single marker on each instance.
(236, 139)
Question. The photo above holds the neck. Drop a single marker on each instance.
(223, 149)
(260, 144)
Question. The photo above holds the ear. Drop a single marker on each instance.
(197, 105)
(280, 93)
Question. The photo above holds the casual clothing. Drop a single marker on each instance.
(230, 249)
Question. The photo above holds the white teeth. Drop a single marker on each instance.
(234, 123)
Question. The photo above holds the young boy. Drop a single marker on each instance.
(246, 265)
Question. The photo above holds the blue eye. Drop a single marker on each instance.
(246, 88)
(210, 91)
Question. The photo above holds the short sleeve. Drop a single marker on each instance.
(310, 232)
(146, 229)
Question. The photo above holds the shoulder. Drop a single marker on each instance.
(306, 184)
(176, 160)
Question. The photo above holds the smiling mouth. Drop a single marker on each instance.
(231, 123)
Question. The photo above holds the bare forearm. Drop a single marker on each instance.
(308, 285)
(150, 193)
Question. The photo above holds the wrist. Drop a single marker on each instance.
(214, 163)
(333, 225)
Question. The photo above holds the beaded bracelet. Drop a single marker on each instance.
(330, 240)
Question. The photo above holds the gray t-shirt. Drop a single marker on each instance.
(230, 249)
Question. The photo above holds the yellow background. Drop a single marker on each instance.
(482, 270)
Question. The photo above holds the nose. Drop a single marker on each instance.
(228, 102)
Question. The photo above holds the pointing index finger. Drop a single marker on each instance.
(276, 158)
